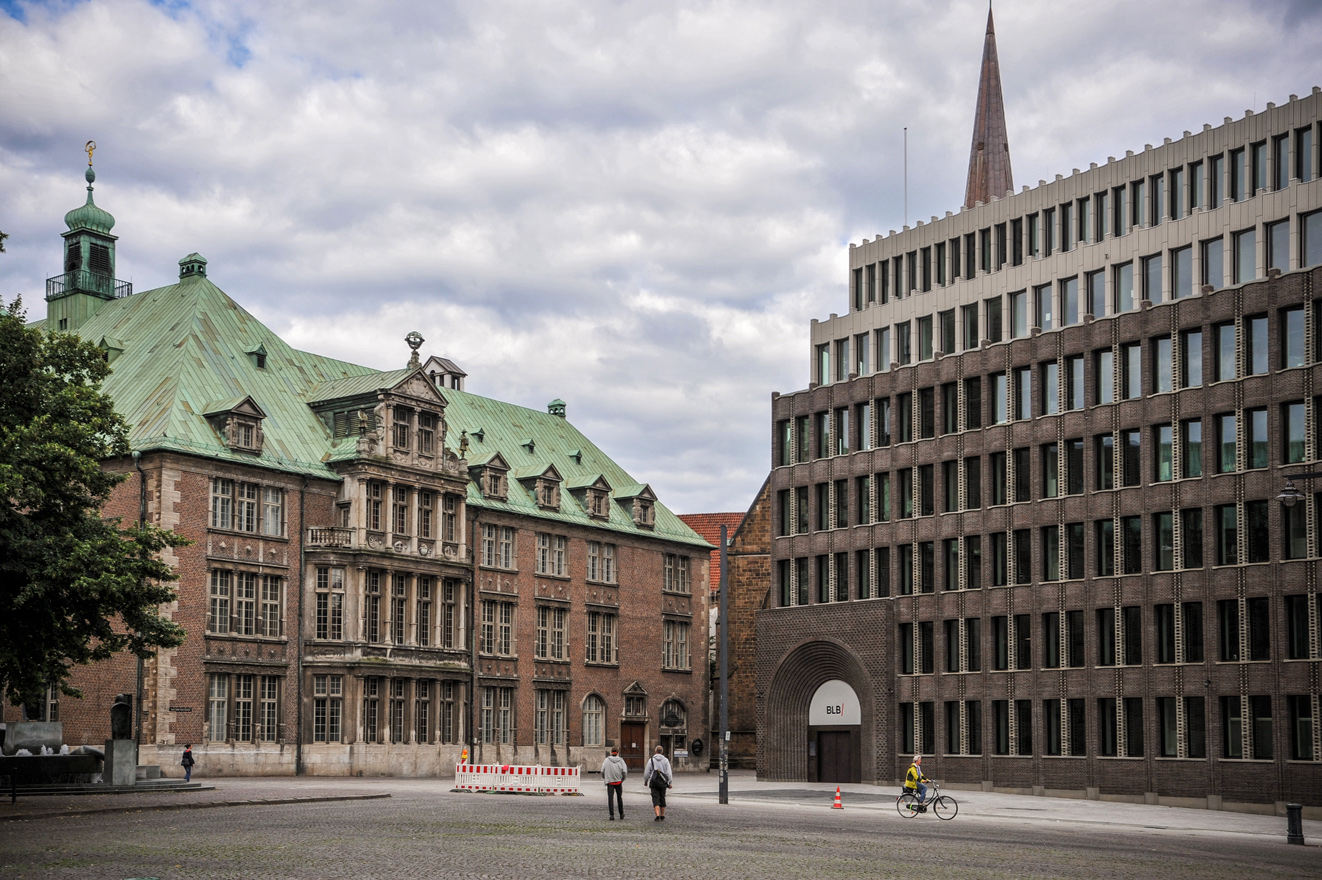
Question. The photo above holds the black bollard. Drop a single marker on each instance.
(1294, 824)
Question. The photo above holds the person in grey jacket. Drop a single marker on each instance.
(613, 771)
(658, 777)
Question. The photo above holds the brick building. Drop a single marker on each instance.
(746, 561)
(385, 566)
(1026, 516)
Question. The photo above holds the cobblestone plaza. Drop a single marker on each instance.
(424, 830)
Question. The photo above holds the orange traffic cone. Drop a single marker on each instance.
(837, 805)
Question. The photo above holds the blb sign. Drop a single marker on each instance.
(834, 703)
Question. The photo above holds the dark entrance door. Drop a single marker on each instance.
(633, 744)
(835, 756)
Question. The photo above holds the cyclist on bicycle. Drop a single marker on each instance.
(914, 779)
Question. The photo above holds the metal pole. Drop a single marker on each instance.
(725, 675)
(142, 522)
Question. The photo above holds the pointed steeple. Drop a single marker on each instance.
(989, 158)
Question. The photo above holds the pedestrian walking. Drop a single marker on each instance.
(659, 777)
(187, 762)
(613, 771)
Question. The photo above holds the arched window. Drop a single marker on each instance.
(594, 721)
(674, 726)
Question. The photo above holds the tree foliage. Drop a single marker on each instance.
(75, 587)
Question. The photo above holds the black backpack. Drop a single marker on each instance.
(658, 779)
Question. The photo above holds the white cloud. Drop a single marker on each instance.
(636, 207)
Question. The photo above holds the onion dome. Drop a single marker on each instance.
(89, 216)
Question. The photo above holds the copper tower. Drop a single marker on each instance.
(989, 158)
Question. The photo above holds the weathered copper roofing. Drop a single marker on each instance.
(89, 215)
(186, 354)
(989, 157)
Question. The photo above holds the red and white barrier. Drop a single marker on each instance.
(517, 779)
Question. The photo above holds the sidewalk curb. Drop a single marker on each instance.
(885, 808)
(143, 808)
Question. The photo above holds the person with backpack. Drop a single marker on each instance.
(187, 762)
(658, 777)
(613, 771)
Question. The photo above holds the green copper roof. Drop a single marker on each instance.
(356, 386)
(505, 427)
(89, 216)
(187, 353)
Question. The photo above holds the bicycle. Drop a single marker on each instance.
(943, 805)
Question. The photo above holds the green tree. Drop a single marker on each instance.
(75, 587)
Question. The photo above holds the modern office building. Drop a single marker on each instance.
(385, 567)
(1025, 516)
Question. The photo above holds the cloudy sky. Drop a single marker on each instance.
(633, 206)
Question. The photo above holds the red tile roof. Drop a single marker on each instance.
(708, 526)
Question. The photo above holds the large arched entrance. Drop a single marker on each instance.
(818, 720)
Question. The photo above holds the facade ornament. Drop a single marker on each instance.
(415, 341)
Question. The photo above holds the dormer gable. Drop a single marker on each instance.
(491, 472)
(238, 421)
(641, 504)
(111, 348)
(594, 494)
(543, 483)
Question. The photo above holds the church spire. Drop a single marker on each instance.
(989, 158)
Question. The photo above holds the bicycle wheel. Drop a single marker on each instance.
(945, 807)
(907, 805)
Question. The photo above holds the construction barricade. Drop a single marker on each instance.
(516, 779)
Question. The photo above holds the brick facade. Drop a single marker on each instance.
(1049, 586)
(748, 561)
(344, 610)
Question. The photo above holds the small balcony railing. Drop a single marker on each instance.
(323, 537)
(87, 282)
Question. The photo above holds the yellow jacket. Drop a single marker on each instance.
(913, 777)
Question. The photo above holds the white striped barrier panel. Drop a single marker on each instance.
(516, 778)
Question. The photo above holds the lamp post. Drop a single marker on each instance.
(1290, 495)
(723, 786)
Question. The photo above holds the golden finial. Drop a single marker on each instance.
(89, 149)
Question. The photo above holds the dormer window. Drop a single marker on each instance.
(542, 482)
(642, 504)
(238, 421)
(245, 433)
(111, 348)
(403, 423)
(548, 494)
(490, 472)
(594, 494)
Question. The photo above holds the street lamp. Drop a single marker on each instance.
(1290, 495)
